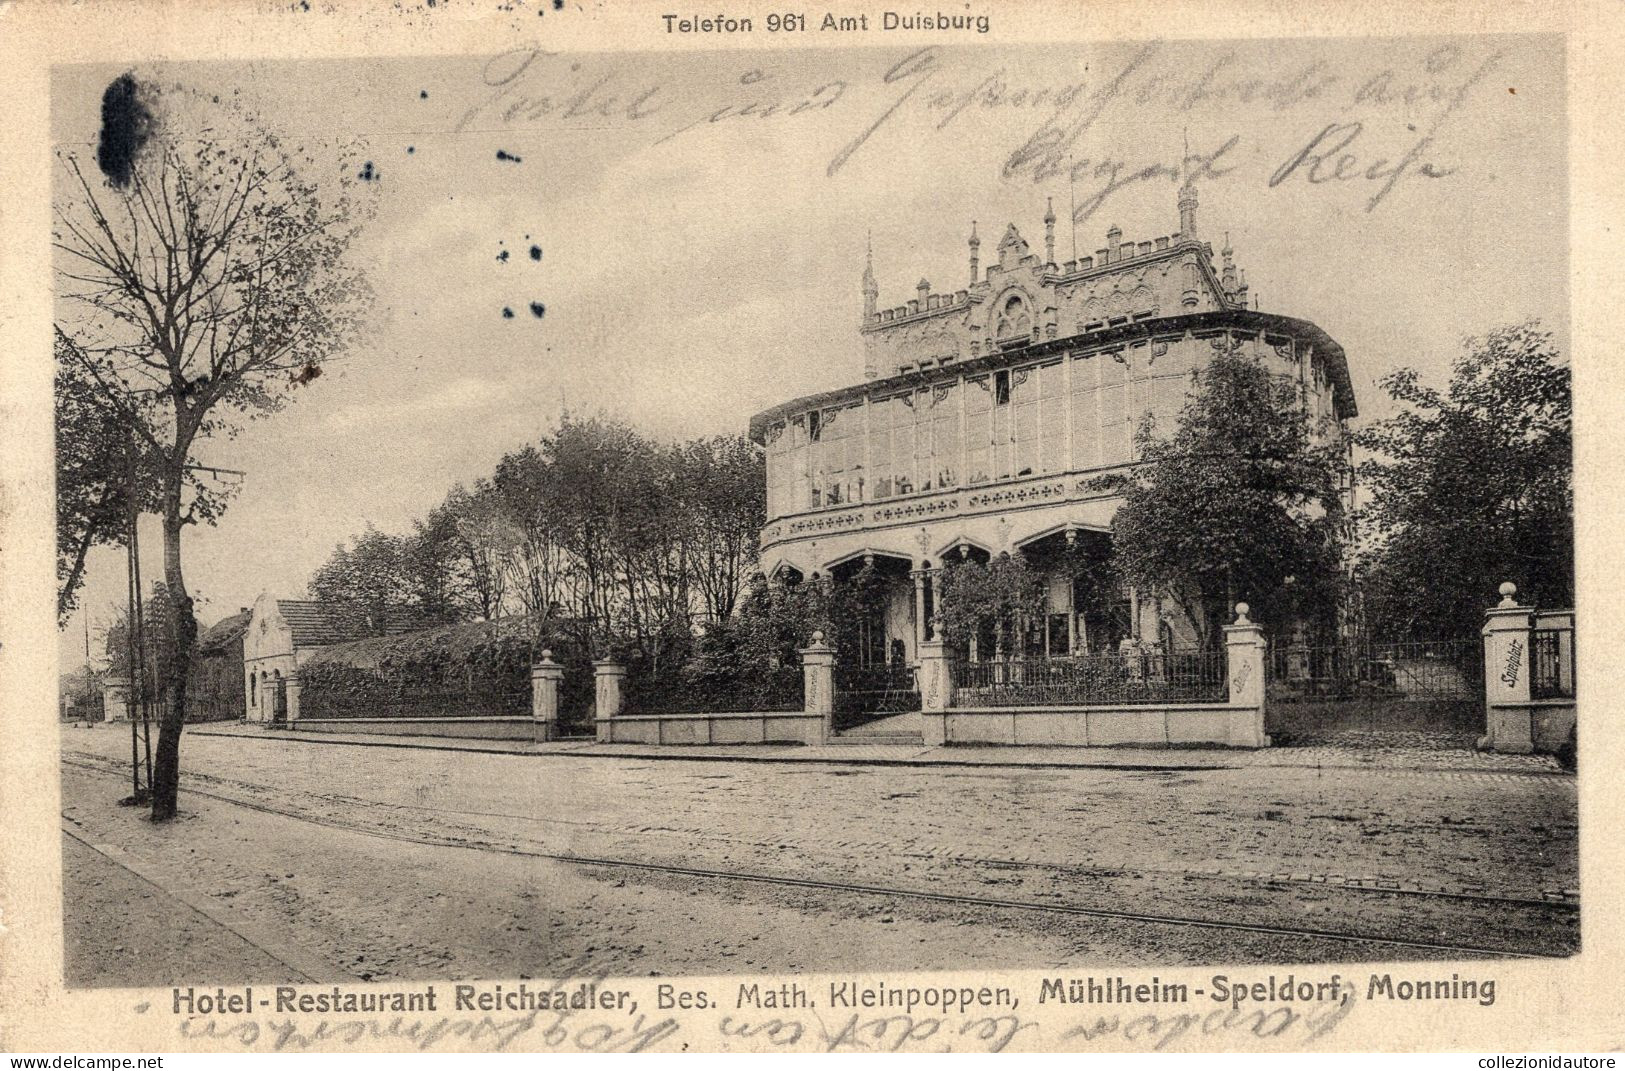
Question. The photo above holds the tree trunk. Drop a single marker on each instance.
(181, 637)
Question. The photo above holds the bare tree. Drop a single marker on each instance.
(203, 277)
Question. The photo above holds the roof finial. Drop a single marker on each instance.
(1049, 230)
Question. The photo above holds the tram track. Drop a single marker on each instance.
(853, 888)
(1372, 888)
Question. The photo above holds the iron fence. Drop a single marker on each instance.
(1416, 670)
(863, 693)
(752, 691)
(1551, 664)
(1106, 679)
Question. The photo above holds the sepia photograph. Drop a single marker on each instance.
(727, 522)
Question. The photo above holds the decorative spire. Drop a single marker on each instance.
(1049, 230)
(1187, 209)
(1228, 278)
(975, 245)
(871, 291)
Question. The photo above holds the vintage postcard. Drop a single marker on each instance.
(837, 528)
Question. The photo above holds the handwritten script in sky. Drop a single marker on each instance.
(1316, 125)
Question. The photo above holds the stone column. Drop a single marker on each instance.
(818, 683)
(920, 631)
(1507, 713)
(1244, 652)
(545, 677)
(293, 699)
(934, 631)
(936, 690)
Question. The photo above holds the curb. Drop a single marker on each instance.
(676, 755)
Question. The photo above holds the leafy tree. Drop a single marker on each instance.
(95, 474)
(204, 277)
(1242, 502)
(462, 548)
(368, 581)
(535, 565)
(1471, 487)
(996, 597)
(723, 484)
(156, 620)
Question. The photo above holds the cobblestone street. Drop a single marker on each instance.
(381, 862)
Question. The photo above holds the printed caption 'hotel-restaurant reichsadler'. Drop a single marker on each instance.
(990, 412)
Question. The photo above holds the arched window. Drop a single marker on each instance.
(1015, 322)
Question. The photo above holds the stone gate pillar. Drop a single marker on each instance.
(116, 705)
(818, 682)
(1244, 654)
(609, 681)
(1507, 713)
(293, 699)
(545, 677)
(936, 690)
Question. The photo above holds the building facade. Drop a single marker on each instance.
(989, 413)
(280, 637)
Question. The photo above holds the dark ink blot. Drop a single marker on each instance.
(410, 150)
(535, 252)
(537, 308)
(126, 126)
(507, 313)
(558, 5)
(367, 174)
(423, 94)
(503, 256)
(501, 155)
(306, 374)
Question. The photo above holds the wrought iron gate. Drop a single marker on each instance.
(865, 693)
(1417, 693)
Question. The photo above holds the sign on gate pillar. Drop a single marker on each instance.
(936, 689)
(1507, 657)
(1244, 654)
(545, 677)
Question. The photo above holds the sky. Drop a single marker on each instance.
(703, 219)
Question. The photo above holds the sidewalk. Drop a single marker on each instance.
(1322, 757)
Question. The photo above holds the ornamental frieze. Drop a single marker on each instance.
(1038, 492)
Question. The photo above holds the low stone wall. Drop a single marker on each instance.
(1152, 725)
(507, 728)
(779, 727)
